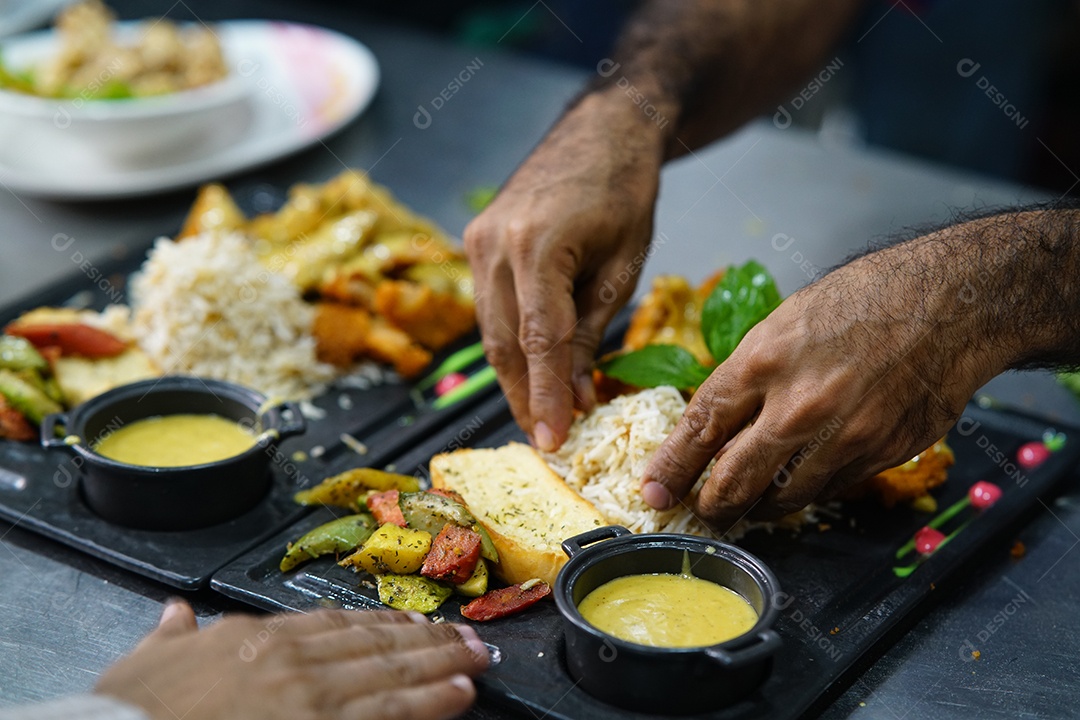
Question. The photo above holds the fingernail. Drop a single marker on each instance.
(656, 495)
(418, 618)
(172, 609)
(472, 640)
(545, 439)
(585, 391)
(462, 682)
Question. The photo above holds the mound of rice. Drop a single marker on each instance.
(206, 306)
(605, 457)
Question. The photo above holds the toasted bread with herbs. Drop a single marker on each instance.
(526, 508)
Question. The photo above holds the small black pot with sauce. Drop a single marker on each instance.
(665, 680)
(173, 498)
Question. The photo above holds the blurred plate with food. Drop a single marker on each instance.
(18, 16)
(108, 110)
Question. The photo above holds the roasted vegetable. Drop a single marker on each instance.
(71, 338)
(412, 592)
(476, 585)
(384, 506)
(431, 510)
(345, 489)
(13, 424)
(337, 536)
(27, 399)
(453, 556)
(17, 353)
(391, 549)
(506, 601)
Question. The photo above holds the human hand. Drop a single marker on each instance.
(851, 375)
(556, 255)
(327, 664)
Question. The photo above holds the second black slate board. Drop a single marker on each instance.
(843, 601)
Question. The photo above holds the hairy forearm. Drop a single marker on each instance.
(1003, 289)
(707, 66)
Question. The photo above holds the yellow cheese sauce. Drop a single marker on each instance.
(664, 610)
(175, 441)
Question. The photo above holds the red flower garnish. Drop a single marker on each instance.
(1033, 454)
(984, 494)
(927, 540)
(448, 383)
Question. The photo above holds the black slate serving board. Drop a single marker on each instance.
(39, 488)
(843, 603)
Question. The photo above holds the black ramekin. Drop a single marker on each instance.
(665, 680)
(173, 498)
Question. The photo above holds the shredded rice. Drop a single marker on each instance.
(206, 306)
(606, 454)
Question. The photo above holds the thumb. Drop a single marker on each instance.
(177, 619)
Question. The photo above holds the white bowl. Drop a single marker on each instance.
(127, 132)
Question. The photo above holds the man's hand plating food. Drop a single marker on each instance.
(868, 366)
(559, 250)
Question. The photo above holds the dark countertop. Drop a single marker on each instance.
(67, 616)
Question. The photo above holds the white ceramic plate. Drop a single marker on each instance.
(302, 83)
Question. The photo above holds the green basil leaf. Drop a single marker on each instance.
(740, 301)
(656, 365)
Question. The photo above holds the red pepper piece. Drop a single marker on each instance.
(71, 338)
(385, 508)
(13, 425)
(453, 555)
(505, 601)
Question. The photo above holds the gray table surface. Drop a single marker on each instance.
(67, 616)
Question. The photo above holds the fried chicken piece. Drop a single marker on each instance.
(389, 344)
(344, 334)
(910, 481)
(434, 319)
(341, 333)
(670, 314)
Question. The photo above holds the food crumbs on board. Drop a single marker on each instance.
(1018, 550)
(299, 456)
(862, 704)
(317, 452)
(834, 630)
(933, 586)
(540, 654)
(353, 444)
(345, 402)
(823, 527)
(976, 654)
(390, 468)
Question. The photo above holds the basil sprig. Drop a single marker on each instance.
(743, 298)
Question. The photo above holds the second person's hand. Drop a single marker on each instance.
(558, 252)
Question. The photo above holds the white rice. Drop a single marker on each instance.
(206, 306)
(605, 457)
